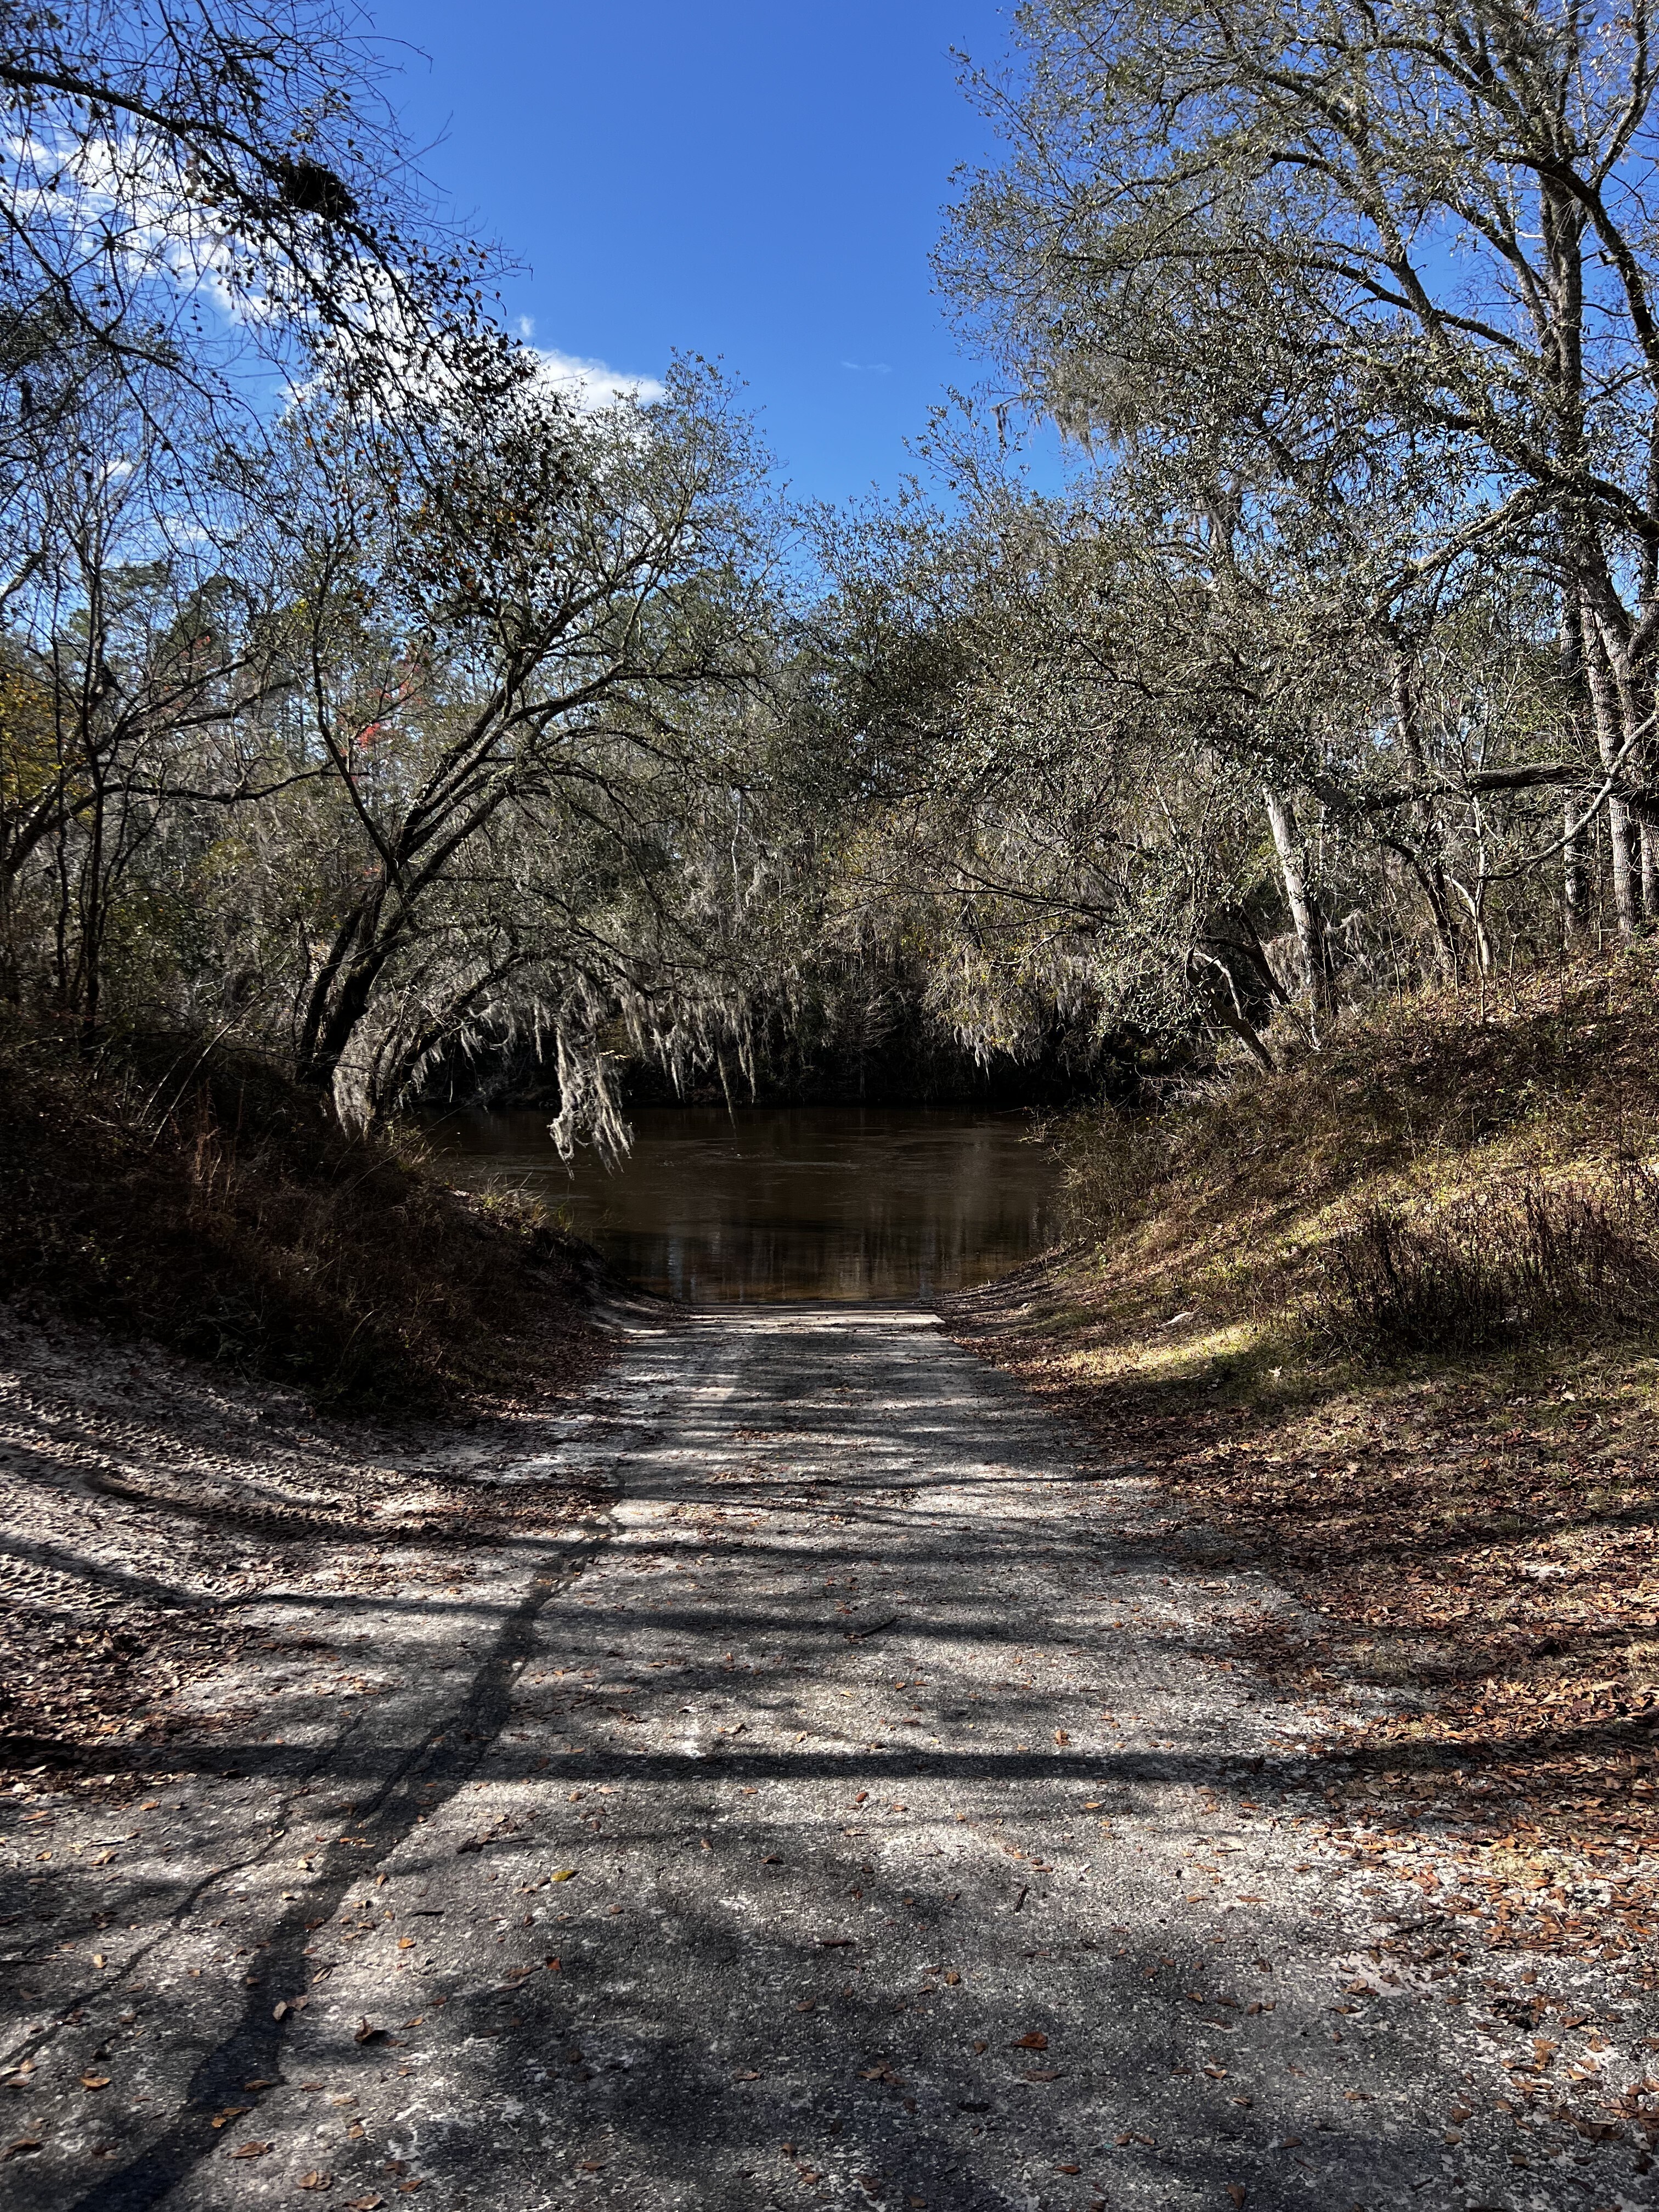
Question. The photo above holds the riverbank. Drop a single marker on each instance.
(1383, 1324)
(181, 1192)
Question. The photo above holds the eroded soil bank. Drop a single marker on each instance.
(805, 1772)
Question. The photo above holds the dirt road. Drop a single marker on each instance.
(862, 1809)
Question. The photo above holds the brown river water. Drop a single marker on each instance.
(843, 1202)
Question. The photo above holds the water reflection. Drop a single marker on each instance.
(809, 1202)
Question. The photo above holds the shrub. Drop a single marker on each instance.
(1512, 1266)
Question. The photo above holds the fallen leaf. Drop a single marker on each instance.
(370, 2203)
(22, 2146)
(745, 2074)
(1068, 2169)
(367, 2034)
(94, 2081)
(1060, 1736)
(315, 2180)
(98, 1959)
(250, 2150)
(563, 1873)
(1035, 2041)
(1236, 2190)
(405, 1942)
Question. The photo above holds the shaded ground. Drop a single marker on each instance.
(149, 1504)
(865, 1805)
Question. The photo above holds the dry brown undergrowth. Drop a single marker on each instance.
(188, 1195)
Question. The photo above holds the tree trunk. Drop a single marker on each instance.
(1305, 917)
(1572, 876)
(1214, 979)
(1624, 878)
(1426, 863)
(1609, 739)
(341, 992)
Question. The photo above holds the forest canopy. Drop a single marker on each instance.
(369, 697)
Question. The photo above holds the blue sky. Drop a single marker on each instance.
(757, 179)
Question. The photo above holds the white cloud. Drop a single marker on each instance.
(117, 193)
(594, 385)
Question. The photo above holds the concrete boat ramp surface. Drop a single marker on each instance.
(860, 1809)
